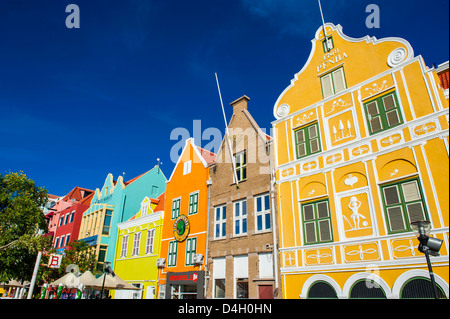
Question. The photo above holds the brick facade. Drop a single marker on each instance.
(244, 135)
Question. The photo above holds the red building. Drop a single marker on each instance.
(67, 215)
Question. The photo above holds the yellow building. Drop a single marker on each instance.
(362, 144)
(137, 249)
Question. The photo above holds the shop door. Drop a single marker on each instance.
(265, 291)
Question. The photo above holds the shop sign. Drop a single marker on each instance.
(54, 261)
(184, 277)
(181, 228)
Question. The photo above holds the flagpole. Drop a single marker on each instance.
(323, 24)
(35, 271)
(226, 133)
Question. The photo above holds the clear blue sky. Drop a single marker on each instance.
(77, 104)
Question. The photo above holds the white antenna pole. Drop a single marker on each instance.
(227, 134)
(324, 31)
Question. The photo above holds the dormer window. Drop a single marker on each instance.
(145, 209)
(187, 167)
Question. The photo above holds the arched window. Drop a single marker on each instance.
(420, 288)
(322, 289)
(367, 289)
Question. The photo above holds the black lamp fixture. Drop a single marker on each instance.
(428, 245)
(106, 270)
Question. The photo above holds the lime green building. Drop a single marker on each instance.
(137, 249)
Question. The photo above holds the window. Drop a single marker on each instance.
(219, 288)
(240, 160)
(136, 244)
(101, 257)
(145, 209)
(61, 218)
(329, 45)
(262, 204)
(242, 288)
(71, 216)
(176, 208)
(172, 258)
(219, 275)
(150, 241)
(61, 244)
(193, 203)
(240, 265)
(56, 242)
(191, 249)
(383, 113)
(66, 219)
(333, 82)
(240, 218)
(317, 222)
(67, 239)
(187, 167)
(123, 251)
(220, 222)
(107, 222)
(307, 140)
(403, 204)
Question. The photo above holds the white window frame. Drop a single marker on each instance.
(262, 213)
(145, 208)
(150, 241)
(72, 214)
(187, 167)
(123, 251)
(67, 239)
(240, 218)
(219, 222)
(136, 244)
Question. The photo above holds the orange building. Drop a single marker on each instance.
(184, 240)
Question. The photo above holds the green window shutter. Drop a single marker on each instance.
(403, 204)
(383, 113)
(307, 140)
(317, 222)
(395, 216)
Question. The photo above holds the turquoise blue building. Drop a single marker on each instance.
(116, 202)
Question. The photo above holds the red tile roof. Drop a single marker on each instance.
(444, 78)
(207, 155)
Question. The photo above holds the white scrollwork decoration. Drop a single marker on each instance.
(282, 111)
(396, 57)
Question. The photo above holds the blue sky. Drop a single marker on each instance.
(77, 104)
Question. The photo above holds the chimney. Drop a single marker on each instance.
(240, 104)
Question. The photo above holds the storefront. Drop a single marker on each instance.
(185, 285)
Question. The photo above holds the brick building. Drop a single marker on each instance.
(240, 253)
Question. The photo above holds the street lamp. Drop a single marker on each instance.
(106, 270)
(428, 245)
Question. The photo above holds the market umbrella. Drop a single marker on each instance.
(69, 280)
(108, 284)
(113, 283)
(121, 284)
(12, 283)
(87, 279)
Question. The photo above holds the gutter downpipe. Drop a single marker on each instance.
(209, 183)
(274, 232)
